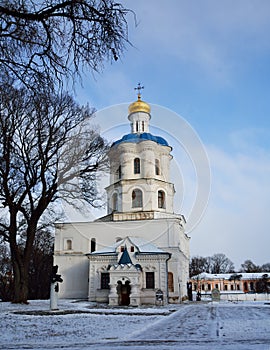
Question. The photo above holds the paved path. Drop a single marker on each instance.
(212, 326)
(204, 327)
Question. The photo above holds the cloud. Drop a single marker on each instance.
(236, 221)
(211, 36)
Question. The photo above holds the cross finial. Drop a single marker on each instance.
(139, 88)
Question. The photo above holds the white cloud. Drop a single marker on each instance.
(236, 221)
(209, 35)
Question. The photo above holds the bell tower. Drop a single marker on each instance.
(140, 186)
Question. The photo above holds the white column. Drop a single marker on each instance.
(54, 296)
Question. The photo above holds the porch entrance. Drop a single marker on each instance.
(123, 291)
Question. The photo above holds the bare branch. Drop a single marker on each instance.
(55, 40)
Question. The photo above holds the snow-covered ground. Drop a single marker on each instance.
(83, 325)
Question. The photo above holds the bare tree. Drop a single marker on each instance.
(221, 264)
(265, 267)
(52, 39)
(198, 264)
(249, 266)
(47, 149)
(217, 263)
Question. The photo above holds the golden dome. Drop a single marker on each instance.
(139, 106)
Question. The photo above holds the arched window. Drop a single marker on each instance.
(161, 199)
(115, 202)
(252, 286)
(69, 244)
(137, 126)
(93, 245)
(170, 282)
(157, 167)
(137, 198)
(119, 172)
(137, 166)
(143, 125)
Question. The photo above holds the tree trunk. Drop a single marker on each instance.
(20, 261)
(20, 282)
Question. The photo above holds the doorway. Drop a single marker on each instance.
(123, 291)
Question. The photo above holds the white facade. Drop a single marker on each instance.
(139, 250)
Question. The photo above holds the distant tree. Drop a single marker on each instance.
(197, 265)
(263, 285)
(40, 267)
(48, 149)
(6, 278)
(249, 266)
(219, 263)
(235, 277)
(265, 267)
(53, 39)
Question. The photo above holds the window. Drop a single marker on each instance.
(93, 245)
(245, 287)
(119, 172)
(69, 244)
(137, 166)
(202, 286)
(150, 280)
(238, 287)
(122, 248)
(157, 167)
(209, 286)
(143, 125)
(225, 287)
(137, 126)
(105, 280)
(231, 287)
(216, 286)
(161, 199)
(251, 286)
(132, 249)
(137, 198)
(115, 202)
(170, 282)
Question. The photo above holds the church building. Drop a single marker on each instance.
(138, 253)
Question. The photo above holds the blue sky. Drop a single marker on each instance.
(208, 62)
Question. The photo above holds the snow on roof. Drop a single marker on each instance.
(141, 244)
(227, 276)
(145, 246)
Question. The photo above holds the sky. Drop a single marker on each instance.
(205, 69)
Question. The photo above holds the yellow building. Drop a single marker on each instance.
(255, 282)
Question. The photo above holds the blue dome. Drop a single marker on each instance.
(136, 138)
